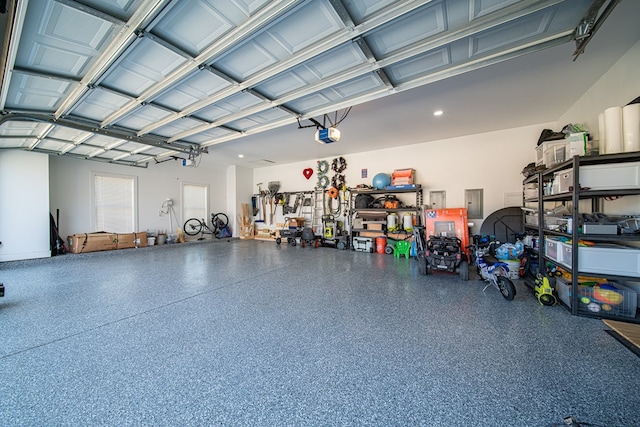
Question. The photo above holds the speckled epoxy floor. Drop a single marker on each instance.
(236, 333)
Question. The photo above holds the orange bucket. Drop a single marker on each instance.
(381, 243)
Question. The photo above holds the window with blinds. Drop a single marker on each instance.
(195, 201)
(114, 203)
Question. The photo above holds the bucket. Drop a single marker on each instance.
(151, 241)
(514, 268)
(381, 244)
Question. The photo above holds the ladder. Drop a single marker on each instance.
(318, 211)
(306, 207)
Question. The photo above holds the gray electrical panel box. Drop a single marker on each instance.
(437, 199)
(473, 202)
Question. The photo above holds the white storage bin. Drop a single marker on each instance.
(564, 180)
(609, 259)
(363, 244)
(565, 254)
(552, 249)
(550, 153)
(530, 216)
(531, 193)
(619, 176)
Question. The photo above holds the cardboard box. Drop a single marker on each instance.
(131, 240)
(372, 215)
(403, 177)
(92, 242)
(295, 222)
(373, 225)
(372, 234)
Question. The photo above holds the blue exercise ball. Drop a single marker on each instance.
(381, 180)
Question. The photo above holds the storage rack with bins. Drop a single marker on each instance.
(353, 211)
(572, 251)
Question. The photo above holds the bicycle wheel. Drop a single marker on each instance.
(525, 266)
(192, 227)
(219, 221)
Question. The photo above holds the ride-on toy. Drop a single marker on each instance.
(445, 254)
(442, 247)
(490, 269)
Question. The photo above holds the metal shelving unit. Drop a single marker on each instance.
(574, 197)
(417, 192)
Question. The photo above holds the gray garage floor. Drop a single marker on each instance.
(237, 333)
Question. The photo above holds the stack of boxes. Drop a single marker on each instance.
(402, 178)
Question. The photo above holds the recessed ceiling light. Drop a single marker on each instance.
(241, 155)
(438, 113)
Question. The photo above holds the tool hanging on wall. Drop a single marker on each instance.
(254, 205)
(333, 194)
(274, 187)
(286, 209)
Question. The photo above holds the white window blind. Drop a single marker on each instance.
(114, 203)
(195, 201)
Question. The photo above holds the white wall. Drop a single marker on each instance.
(617, 87)
(24, 200)
(491, 161)
(71, 191)
(239, 190)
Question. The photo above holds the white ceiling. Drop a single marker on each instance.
(137, 82)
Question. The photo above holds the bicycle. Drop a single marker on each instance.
(195, 226)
